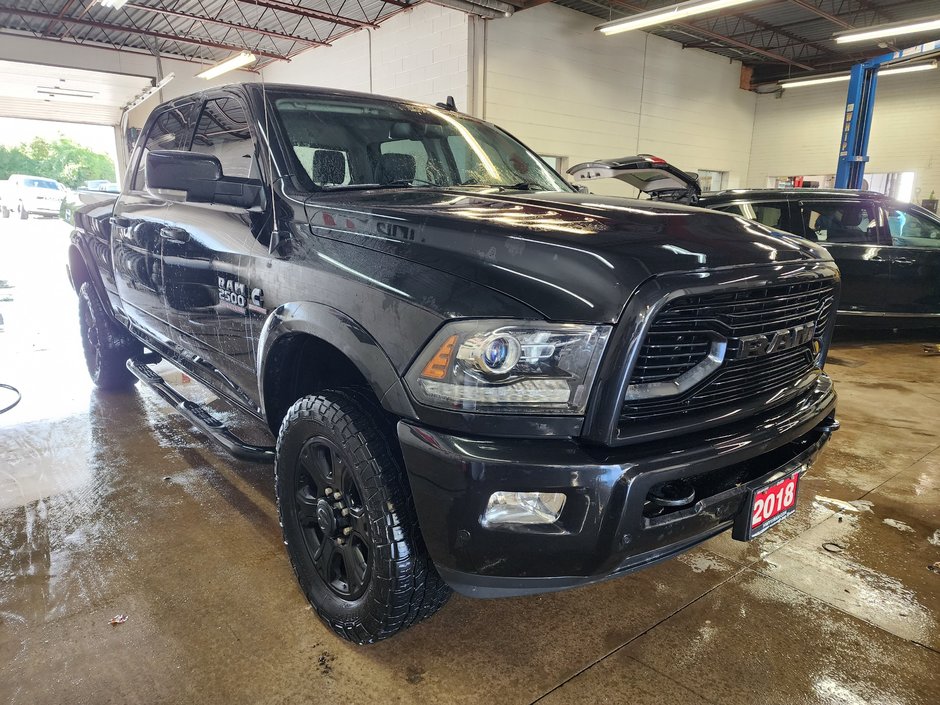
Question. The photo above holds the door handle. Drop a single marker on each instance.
(120, 222)
(903, 260)
(174, 234)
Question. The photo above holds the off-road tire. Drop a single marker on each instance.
(401, 586)
(106, 345)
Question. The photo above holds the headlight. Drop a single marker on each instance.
(509, 367)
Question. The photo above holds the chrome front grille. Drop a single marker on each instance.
(681, 336)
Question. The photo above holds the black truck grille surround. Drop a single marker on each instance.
(680, 338)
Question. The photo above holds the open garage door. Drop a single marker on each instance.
(42, 92)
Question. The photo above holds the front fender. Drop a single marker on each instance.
(343, 333)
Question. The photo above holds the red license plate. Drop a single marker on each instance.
(767, 506)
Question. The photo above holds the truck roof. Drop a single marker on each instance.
(788, 192)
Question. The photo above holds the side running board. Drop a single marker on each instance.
(197, 414)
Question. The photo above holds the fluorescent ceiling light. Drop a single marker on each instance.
(665, 15)
(845, 76)
(235, 62)
(890, 30)
(113, 4)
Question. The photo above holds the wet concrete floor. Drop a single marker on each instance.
(110, 505)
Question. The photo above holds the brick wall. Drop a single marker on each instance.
(799, 132)
(569, 91)
(420, 54)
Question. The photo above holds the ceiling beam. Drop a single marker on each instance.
(65, 8)
(222, 23)
(819, 12)
(762, 27)
(311, 14)
(835, 19)
(134, 30)
(695, 29)
(722, 39)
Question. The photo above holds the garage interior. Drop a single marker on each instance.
(112, 505)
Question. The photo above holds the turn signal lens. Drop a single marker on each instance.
(437, 365)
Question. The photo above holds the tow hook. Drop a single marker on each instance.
(674, 493)
(831, 425)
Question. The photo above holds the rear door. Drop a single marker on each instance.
(139, 217)
(854, 234)
(914, 257)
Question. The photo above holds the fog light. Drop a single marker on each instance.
(523, 508)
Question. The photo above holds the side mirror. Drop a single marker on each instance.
(200, 176)
(580, 188)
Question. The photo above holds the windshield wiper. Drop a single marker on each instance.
(399, 183)
(521, 186)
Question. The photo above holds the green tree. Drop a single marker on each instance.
(62, 159)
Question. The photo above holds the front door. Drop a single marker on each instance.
(208, 292)
(140, 217)
(858, 242)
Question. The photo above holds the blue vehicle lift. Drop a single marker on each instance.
(856, 127)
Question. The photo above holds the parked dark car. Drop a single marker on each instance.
(478, 377)
(888, 251)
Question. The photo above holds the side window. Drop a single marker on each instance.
(909, 229)
(845, 222)
(170, 130)
(773, 215)
(223, 132)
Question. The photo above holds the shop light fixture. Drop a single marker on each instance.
(665, 15)
(895, 29)
(113, 4)
(230, 64)
(845, 77)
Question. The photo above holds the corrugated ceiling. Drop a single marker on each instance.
(778, 38)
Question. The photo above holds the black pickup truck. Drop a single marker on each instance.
(478, 377)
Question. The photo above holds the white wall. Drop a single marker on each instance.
(569, 91)
(799, 133)
(419, 54)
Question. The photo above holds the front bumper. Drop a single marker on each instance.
(602, 531)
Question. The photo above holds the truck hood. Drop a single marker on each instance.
(569, 256)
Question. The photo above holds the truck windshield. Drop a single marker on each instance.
(344, 143)
(40, 183)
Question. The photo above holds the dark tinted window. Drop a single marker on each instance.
(223, 132)
(169, 131)
(909, 229)
(350, 143)
(853, 222)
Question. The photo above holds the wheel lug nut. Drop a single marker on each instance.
(329, 491)
(347, 531)
(340, 541)
(345, 512)
(336, 495)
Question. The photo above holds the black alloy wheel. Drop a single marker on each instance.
(348, 518)
(330, 511)
(106, 345)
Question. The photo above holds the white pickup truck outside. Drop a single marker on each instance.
(31, 195)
